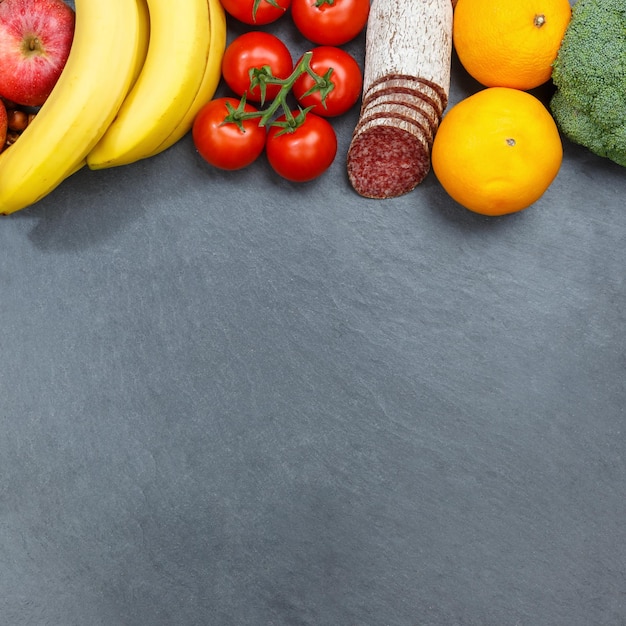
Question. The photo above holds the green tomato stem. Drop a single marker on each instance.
(256, 3)
(262, 77)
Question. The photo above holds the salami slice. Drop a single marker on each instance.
(388, 155)
(386, 161)
(432, 94)
(424, 108)
(411, 114)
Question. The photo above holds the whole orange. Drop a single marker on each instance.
(497, 151)
(509, 44)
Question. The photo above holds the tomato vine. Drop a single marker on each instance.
(262, 77)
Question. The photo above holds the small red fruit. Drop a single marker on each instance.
(3, 125)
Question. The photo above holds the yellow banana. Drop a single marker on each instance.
(83, 103)
(167, 85)
(142, 40)
(211, 78)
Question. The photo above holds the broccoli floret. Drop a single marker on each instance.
(589, 73)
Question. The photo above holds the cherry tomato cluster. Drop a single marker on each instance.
(299, 141)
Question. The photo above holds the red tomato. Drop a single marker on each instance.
(255, 50)
(226, 146)
(256, 12)
(330, 22)
(346, 78)
(306, 152)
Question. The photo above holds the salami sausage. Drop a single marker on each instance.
(406, 82)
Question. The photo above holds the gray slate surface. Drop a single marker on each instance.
(230, 400)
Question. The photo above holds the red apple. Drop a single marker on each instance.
(35, 41)
(3, 125)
